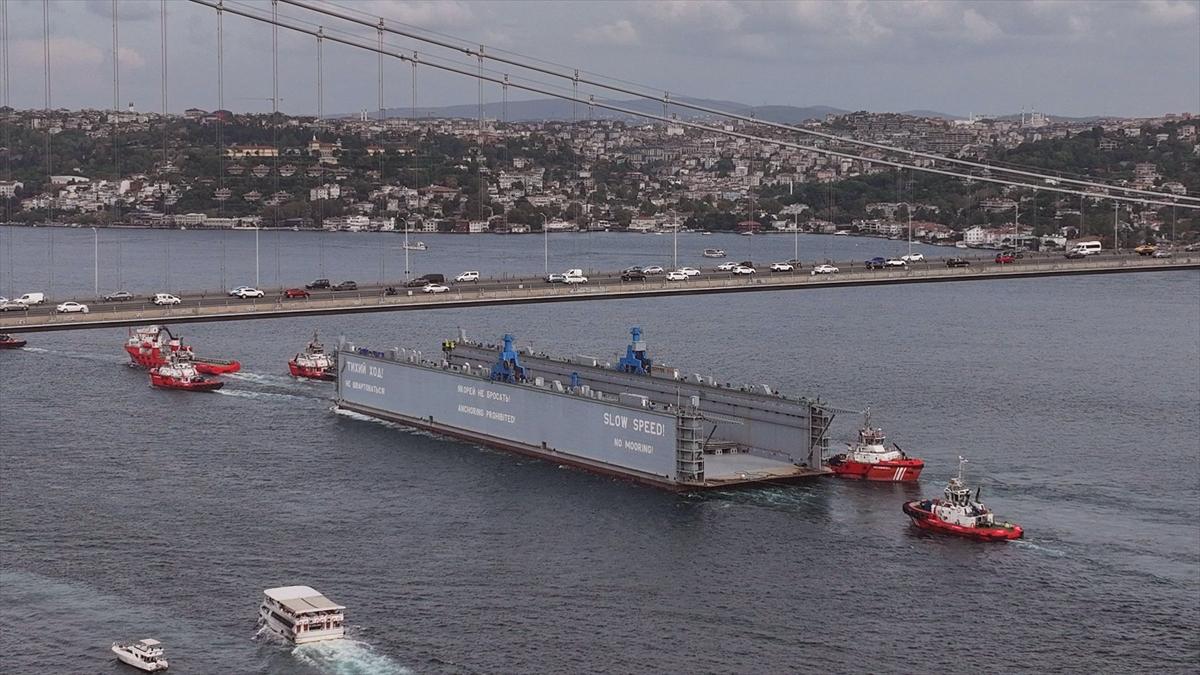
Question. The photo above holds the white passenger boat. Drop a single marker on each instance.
(419, 246)
(301, 615)
(144, 655)
(714, 253)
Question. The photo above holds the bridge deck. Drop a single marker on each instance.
(535, 292)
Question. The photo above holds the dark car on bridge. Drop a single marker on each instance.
(118, 296)
(957, 262)
(633, 275)
(426, 279)
(318, 284)
(876, 263)
(346, 286)
(295, 293)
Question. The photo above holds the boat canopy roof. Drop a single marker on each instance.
(301, 599)
(149, 642)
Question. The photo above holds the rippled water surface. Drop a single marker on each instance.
(131, 512)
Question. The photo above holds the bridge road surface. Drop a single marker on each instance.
(197, 307)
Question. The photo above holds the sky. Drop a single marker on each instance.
(1073, 58)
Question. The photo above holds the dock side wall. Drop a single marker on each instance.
(601, 432)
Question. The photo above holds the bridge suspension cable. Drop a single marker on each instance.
(666, 98)
(592, 101)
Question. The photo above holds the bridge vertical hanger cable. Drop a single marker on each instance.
(116, 123)
(416, 168)
(163, 182)
(275, 129)
(221, 130)
(8, 120)
(319, 214)
(49, 126)
(382, 126)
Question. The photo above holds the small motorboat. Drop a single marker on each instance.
(714, 252)
(960, 515)
(181, 374)
(419, 246)
(10, 342)
(144, 655)
(870, 459)
(314, 363)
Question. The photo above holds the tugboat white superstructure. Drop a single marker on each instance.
(144, 655)
(314, 362)
(301, 614)
(870, 458)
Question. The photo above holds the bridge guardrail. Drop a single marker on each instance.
(523, 292)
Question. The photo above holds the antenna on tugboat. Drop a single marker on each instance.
(961, 462)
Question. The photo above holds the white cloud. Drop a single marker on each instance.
(130, 58)
(616, 33)
(439, 14)
(978, 28)
(65, 53)
(1171, 11)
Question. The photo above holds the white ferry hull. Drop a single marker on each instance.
(288, 633)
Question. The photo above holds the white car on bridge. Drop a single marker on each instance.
(165, 299)
(468, 276)
(71, 307)
(574, 279)
(676, 275)
(726, 266)
(913, 257)
(895, 262)
(244, 292)
(652, 269)
(689, 271)
(742, 269)
(782, 267)
(825, 269)
(435, 288)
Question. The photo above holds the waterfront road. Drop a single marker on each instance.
(200, 306)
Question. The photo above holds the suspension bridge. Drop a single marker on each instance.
(328, 24)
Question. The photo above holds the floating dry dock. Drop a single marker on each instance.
(633, 419)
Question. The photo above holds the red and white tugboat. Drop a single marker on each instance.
(314, 363)
(182, 374)
(960, 515)
(9, 342)
(154, 346)
(869, 459)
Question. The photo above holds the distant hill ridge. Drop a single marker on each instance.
(557, 109)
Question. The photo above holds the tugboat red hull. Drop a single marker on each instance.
(215, 367)
(311, 373)
(198, 384)
(926, 520)
(154, 357)
(891, 471)
(11, 343)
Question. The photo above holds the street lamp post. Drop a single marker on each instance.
(256, 282)
(96, 262)
(545, 246)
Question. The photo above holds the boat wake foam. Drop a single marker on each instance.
(1025, 543)
(84, 356)
(261, 395)
(347, 657)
